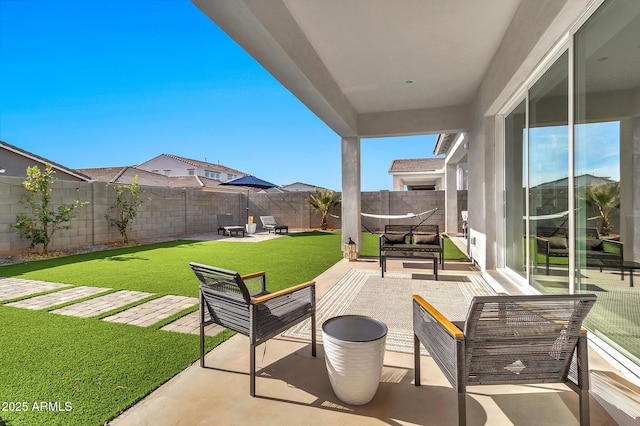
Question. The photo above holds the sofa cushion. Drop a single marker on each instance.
(595, 245)
(395, 238)
(557, 243)
(426, 239)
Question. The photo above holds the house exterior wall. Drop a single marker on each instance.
(180, 168)
(162, 163)
(16, 165)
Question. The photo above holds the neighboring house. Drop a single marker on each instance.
(580, 182)
(125, 175)
(300, 186)
(417, 173)
(172, 165)
(14, 162)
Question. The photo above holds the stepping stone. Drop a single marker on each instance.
(12, 288)
(101, 304)
(57, 298)
(153, 311)
(190, 324)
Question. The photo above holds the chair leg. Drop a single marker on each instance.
(252, 372)
(584, 407)
(202, 304)
(547, 265)
(202, 345)
(416, 360)
(313, 335)
(462, 408)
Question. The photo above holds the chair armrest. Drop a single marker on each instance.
(450, 327)
(444, 341)
(619, 245)
(253, 275)
(255, 288)
(284, 292)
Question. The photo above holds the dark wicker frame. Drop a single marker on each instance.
(242, 304)
(408, 246)
(508, 339)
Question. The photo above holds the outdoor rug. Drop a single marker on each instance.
(389, 299)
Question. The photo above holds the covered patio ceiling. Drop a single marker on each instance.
(372, 68)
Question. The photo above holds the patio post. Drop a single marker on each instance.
(351, 204)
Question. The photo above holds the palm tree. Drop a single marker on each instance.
(605, 198)
(323, 201)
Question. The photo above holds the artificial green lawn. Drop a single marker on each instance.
(93, 368)
(103, 368)
(164, 268)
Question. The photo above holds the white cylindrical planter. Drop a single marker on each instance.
(354, 347)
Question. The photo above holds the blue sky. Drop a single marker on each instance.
(95, 83)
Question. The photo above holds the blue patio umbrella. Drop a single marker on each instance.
(249, 181)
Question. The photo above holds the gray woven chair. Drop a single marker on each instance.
(508, 339)
(242, 304)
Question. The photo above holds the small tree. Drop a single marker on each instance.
(323, 201)
(128, 202)
(39, 221)
(605, 198)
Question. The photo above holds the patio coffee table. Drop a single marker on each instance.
(627, 264)
(354, 348)
(401, 254)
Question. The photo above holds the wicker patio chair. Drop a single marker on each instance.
(242, 304)
(508, 340)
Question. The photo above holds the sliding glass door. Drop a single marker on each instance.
(585, 144)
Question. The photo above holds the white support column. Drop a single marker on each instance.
(451, 199)
(351, 204)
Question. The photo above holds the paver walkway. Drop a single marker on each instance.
(153, 311)
(191, 324)
(12, 288)
(58, 297)
(99, 305)
(143, 315)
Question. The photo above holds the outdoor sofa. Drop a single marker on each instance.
(553, 241)
(411, 238)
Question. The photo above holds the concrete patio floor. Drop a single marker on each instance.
(293, 388)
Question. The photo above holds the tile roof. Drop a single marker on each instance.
(416, 165)
(124, 175)
(204, 164)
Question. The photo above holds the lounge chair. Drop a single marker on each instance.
(227, 225)
(243, 304)
(508, 339)
(269, 223)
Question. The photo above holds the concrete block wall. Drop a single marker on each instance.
(400, 203)
(176, 212)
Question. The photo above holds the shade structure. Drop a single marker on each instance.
(249, 181)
